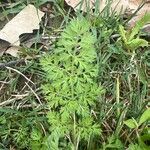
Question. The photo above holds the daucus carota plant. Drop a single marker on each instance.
(72, 89)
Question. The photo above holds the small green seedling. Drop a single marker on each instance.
(72, 90)
(134, 124)
(131, 40)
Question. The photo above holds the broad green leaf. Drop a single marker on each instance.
(131, 123)
(136, 43)
(114, 143)
(122, 33)
(145, 19)
(145, 116)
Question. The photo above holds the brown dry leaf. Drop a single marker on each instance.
(133, 5)
(118, 5)
(3, 46)
(24, 22)
(13, 51)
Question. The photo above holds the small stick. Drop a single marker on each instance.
(11, 63)
(9, 68)
(33, 93)
(7, 102)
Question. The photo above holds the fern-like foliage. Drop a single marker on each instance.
(72, 90)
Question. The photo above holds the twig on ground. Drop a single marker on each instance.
(20, 74)
(33, 93)
(4, 103)
(11, 63)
